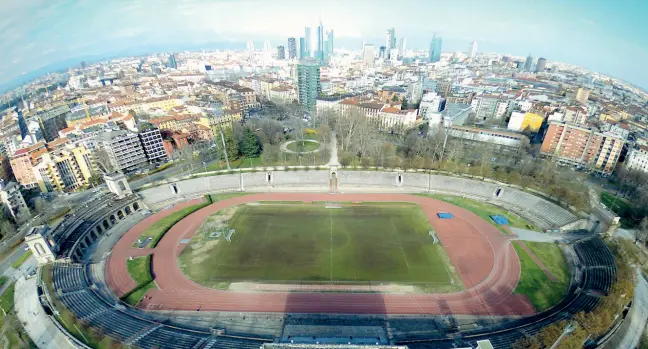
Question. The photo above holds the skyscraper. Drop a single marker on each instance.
(390, 40)
(172, 62)
(307, 41)
(381, 52)
(319, 53)
(292, 48)
(401, 47)
(308, 83)
(368, 54)
(281, 53)
(328, 45)
(540, 67)
(303, 52)
(435, 49)
(472, 50)
(250, 50)
(528, 64)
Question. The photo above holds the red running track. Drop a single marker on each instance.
(481, 254)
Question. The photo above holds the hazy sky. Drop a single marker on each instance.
(609, 36)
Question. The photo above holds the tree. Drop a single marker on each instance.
(6, 227)
(641, 233)
(271, 154)
(39, 205)
(250, 144)
(395, 98)
(231, 145)
(404, 104)
(103, 161)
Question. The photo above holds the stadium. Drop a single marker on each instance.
(322, 257)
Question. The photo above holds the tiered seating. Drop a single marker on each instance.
(83, 303)
(599, 279)
(69, 278)
(594, 253)
(167, 337)
(233, 343)
(118, 325)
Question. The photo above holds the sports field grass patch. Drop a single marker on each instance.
(211, 198)
(305, 243)
(485, 210)
(157, 230)
(139, 269)
(534, 283)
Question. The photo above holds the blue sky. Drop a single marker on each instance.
(602, 35)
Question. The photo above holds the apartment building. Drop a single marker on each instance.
(123, 148)
(583, 146)
(22, 165)
(638, 159)
(164, 103)
(489, 107)
(65, 168)
(151, 140)
(13, 202)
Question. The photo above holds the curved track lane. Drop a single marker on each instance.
(482, 255)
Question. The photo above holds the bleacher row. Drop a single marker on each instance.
(550, 214)
(598, 275)
(122, 324)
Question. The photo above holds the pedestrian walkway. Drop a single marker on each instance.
(333, 161)
(37, 324)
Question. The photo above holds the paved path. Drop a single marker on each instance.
(482, 256)
(333, 161)
(37, 324)
(530, 235)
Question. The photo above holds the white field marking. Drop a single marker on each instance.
(399, 243)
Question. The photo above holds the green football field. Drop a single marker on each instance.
(297, 242)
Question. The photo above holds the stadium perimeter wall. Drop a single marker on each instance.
(536, 209)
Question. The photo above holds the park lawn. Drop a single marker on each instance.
(303, 146)
(11, 327)
(621, 207)
(241, 162)
(310, 243)
(223, 196)
(21, 260)
(157, 230)
(534, 283)
(3, 280)
(485, 210)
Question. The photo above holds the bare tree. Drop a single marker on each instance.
(103, 161)
(641, 233)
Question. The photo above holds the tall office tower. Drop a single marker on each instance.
(328, 45)
(401, 47)
(22, 125)
(303, 49)
(250, 50)
(390, 41)
(308, 83)
(307, 41)
(472, 50)
(319, 53)
(540, 67)
(435, 49)
(172, 62)
(292, 48)
(381, 52)
(528, 64)
(281, 53)
(368, 54)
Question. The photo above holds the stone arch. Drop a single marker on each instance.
(136, 206)
(106, 224)
(128, 210)
(39, 248)
(98, 228)
(112, 219)
(120, 215)
(122, 186)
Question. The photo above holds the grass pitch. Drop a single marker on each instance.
(298, 242)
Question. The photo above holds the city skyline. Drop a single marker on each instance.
(52, 43)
